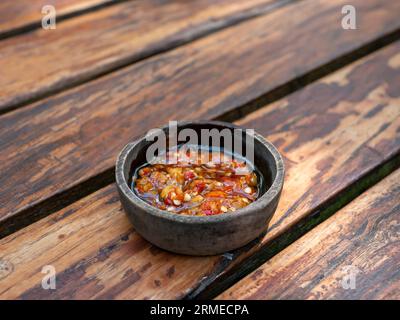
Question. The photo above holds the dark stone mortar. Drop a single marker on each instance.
(201, 235)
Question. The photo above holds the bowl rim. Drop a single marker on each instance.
(262, 201)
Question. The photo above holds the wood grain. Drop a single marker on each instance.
(44, 61)
(50, 147)
(17, 15)
(331, 134)
(363, 237)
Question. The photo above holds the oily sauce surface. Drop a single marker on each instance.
(205, 183)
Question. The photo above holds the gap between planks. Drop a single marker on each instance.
(371, 103)
(364, 235)
(211, 288)
(75, 193)
(135, 57)
(32, 26)
(314, 75)
(250, 94)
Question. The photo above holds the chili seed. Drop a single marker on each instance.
(247, 190)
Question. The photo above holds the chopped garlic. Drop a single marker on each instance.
(210, 165)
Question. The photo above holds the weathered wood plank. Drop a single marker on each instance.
(18, 15)
(54, 145)
(362, 239)
(331, 134)
(45, 61)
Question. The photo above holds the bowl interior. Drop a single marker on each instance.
(264, 161)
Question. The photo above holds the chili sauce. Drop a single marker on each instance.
(209, 182)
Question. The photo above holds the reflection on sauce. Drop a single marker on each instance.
(200, 182)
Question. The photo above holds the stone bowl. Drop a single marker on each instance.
(201, 235)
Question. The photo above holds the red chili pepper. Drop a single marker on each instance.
(145, 171)
(228, 188)
(168, 201)
(208, 212)
(189, 175)
(200, 187)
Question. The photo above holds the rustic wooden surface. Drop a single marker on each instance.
(49, 148)
(363, 236)
(54, 59)
(333, 135)
(23, 14)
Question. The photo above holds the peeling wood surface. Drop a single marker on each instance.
(56, 144)
(43, 61)
(330, 134)
(362, 239)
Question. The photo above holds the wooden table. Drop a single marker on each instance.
(73, 96)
